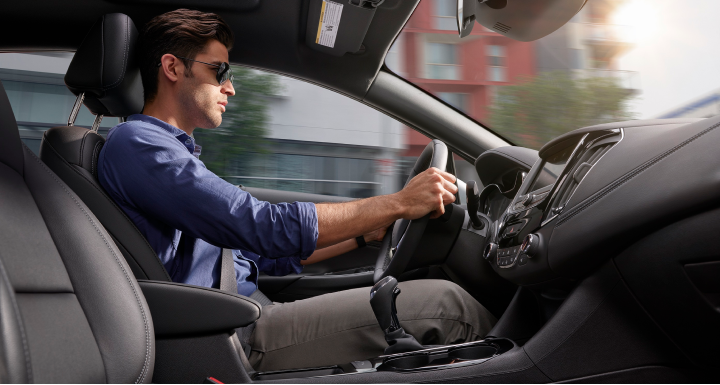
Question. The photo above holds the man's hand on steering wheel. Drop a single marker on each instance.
(428, 192)
(376, 235)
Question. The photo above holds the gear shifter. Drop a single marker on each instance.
(382, 301)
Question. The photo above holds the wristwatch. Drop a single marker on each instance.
(361, 241)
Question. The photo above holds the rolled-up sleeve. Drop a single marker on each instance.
(164, 180)
(276, 266)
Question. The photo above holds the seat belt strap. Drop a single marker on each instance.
(228, 280)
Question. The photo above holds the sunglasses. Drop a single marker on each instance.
(224, 72)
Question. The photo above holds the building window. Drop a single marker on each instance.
(442, 61)
(496, 63)
(444, 14)
(455, 99)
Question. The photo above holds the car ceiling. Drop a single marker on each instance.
(270, 36)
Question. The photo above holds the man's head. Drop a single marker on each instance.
(172, 47)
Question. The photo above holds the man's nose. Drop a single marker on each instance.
(228, 89)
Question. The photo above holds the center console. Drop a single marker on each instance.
(404, 353)
(516, 249)
(432, 358)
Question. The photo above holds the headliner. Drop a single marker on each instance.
(270, 36)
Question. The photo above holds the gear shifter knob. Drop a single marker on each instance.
(382, 301)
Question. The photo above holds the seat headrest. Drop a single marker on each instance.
(11, 153)
(106, 70)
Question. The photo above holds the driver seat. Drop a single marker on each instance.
(104, 71)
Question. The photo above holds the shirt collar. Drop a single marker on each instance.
(187, 140)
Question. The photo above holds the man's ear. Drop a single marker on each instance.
(171, 68)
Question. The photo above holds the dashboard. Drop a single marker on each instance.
(633, 204)
(563, 211)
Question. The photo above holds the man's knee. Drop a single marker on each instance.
(436, 290)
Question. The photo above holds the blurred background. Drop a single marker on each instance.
(616, 60)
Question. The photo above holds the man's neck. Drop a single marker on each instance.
(167, 114)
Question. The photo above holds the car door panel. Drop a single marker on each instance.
(350, 270)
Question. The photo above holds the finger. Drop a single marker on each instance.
(449, 186)
(440, 210)
(448, 176)
(448, 198)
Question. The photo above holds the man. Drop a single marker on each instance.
(150, 167)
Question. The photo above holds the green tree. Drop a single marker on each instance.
(243, 129)
(553, 103)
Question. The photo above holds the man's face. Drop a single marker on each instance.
(202, 98)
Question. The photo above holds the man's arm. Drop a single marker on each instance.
(342, 247)
(428, 192)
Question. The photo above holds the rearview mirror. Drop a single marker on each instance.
(523, 20)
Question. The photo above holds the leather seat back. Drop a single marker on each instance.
(105, 70)
(70, 308)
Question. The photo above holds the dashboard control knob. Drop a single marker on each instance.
(530, 245)
(490, 251)
(528, 199)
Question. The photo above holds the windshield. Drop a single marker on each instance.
(615, 60)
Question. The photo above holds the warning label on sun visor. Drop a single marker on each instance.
(329, 23)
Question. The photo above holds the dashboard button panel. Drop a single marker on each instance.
(508, 257)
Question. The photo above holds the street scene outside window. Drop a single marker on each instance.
(615, 60)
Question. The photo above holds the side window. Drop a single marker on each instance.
(278, 133)
(38, 95)
(285, 134)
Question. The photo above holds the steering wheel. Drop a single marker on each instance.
(403, 236)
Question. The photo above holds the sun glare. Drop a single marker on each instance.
(640, 17)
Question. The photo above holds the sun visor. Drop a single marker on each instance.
(339, 27)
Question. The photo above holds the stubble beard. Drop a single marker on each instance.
(199, 107)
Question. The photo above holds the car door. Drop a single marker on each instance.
(285, 140)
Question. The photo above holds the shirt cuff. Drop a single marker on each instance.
(309, 226)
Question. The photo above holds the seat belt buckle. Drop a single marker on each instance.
(212, 380)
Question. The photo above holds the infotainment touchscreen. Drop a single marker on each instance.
(551, 168)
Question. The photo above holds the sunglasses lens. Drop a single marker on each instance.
(224, 74)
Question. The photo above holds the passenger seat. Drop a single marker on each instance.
(71, 310)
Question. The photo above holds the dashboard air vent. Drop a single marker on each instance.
(585, 161)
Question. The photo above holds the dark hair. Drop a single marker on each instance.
(183, 32)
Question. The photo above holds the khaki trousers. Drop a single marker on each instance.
(339, 328)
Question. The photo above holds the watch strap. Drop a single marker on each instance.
(361, 241)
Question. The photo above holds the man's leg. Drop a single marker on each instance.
(340, 327)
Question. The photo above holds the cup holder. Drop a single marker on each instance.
(445, 356)
(473, 352)
(408, 362)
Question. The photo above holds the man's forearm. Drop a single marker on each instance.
(340, 221)
(331, 251)
(427, 192)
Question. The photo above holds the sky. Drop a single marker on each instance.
(676, 52)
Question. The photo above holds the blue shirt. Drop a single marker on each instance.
(188, 214)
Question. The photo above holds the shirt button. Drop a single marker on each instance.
(188, 141)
